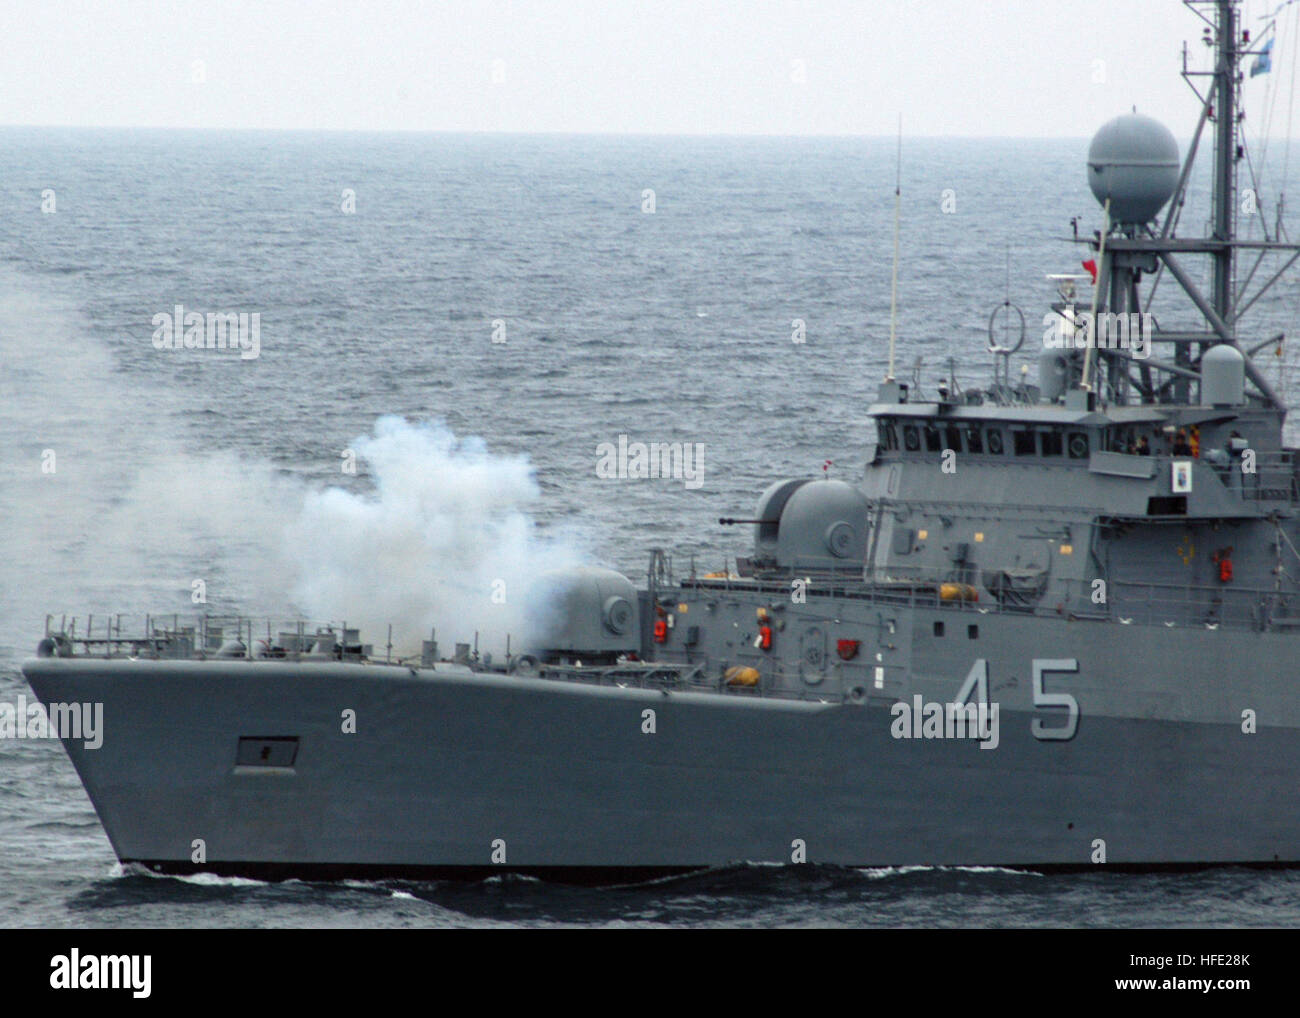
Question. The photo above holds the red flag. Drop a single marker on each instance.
(1091, 266)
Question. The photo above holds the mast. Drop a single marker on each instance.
(1133, 160)
(1225, 160)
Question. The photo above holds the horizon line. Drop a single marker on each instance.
(892, 136)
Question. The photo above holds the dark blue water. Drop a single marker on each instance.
(668, 326)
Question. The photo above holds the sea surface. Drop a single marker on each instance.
(470, 317)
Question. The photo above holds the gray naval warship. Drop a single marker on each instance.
(1053, 625)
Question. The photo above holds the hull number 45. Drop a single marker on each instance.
(977, 686)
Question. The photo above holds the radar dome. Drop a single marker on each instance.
(1133, 161)
(1223, 376)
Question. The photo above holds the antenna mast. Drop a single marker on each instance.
(893, 286)
(1128, 163)
(1225, 160)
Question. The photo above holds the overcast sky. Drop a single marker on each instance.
(950, 67)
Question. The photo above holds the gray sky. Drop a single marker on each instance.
(950, 67)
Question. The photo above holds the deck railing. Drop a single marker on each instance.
(1121, 601)
(202, 636)
(1273, 478)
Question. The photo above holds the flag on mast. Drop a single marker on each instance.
(1263, 60)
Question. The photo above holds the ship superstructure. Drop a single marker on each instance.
(1051, 624)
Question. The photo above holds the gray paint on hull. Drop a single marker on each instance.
(443, 765)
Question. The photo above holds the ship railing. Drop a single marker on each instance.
(906, 585)
(211, 637)
(1272, 477)
(1182, 605)
(635, 674)
(1230, 604)
(200, 637)
(775, 682)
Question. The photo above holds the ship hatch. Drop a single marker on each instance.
(267, 751)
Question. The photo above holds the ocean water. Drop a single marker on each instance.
(382, 268)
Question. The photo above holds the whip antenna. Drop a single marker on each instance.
(893, 286)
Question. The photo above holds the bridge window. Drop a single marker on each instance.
(1078, 445)
(974, 440)
(1024, 443)
(911, 438)
(996, 444)
(888, 437)
(933, 441)
(1053, 443)
(954, 438)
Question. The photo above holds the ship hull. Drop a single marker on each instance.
(451, 772)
